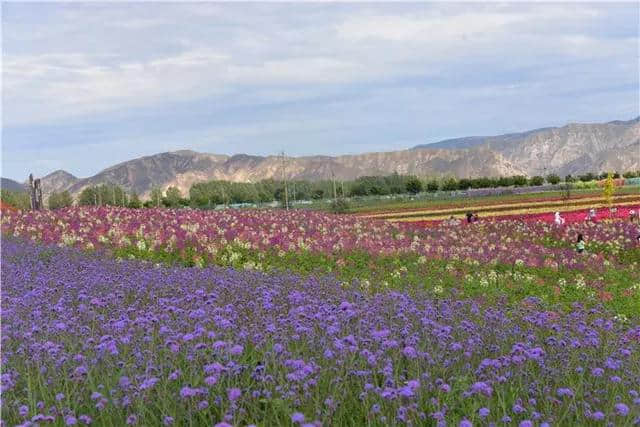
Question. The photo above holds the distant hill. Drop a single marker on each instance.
(9, 184)
(574, 148)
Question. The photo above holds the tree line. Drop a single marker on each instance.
(216, 192)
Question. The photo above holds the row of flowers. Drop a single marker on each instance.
(90, 340)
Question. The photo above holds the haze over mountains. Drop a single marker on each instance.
(574, 149)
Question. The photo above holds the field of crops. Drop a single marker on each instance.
(114, 316)
(507, 208)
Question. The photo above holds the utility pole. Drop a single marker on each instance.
(333, 178)
(284, 179)
(342, 182)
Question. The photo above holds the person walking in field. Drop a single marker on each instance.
(558, 219)
(580, 244)
(469, 217)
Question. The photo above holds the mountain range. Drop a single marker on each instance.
(571, 149)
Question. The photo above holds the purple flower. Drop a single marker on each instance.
(211, 380)
(236, 350)
(465, 423)
(564, 392)
(482, 388)
(483, 412)
(234, 393)
(526, 423)
(187, 392)
(124, 382)
(598, 416)
(446, 388)
(85, 419)
(203, 404)
(70, 420)
(517, 409)
(167, 420)
(410, 352)
(148, 383)
(597, 372)
(23, 410)
(297, 417)
(132, 419)
(622, 409)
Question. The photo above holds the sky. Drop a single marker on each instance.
(88, 85)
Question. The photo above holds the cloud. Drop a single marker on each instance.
(406, 71)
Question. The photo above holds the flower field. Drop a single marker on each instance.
(113, 316)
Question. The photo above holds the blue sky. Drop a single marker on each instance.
(88, 85)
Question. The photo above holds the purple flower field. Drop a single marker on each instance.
(90, 340)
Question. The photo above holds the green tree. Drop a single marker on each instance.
(156, 197)
(134, 201)
(432, 185)
(414, 185)
(519, 180)
(172, 197)
(553, 179)
(60, 200)
(464, 184)
(536, 180)
(88, 197)
(450, 184)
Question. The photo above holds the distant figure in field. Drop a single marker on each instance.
(475, 217)
(558, 219)
(592, 214)
(469, 217)
(580, 243)
(632, 216)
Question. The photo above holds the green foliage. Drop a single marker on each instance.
(103, 195)
(156, 197)
(464, 184)
(432, 185)
(553, 179)
(60, 200)
(339, 206)
(450, 184)
(17, 199)
(172, 198)
(587, 177)
(414, 185)
(520, 180)
(536, 180)
(134, 201)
